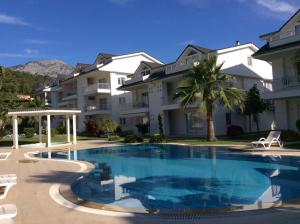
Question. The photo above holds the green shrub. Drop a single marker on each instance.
(298, 124)
(61, 129)
(53, 132)
(133, 139)
(29, 132)
(289, 135)
(234, 131)
(156, 138)
(143, 128)
(126, 133)
(113, 138)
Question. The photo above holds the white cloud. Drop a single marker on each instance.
(31, 51)
(6, 19)
(187, 42)
(37, 41)
(277, 6)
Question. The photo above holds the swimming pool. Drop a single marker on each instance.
(172, 177)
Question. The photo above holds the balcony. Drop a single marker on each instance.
(284, 87)
(69, 96)
(97, 88)
(169, 103)
(98, 109)
(136, 107)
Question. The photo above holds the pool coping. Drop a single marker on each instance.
(63, 195)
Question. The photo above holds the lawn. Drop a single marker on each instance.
(56, 138)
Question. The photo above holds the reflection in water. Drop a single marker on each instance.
(178, 177)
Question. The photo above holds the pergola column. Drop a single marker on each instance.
(40, 129)
(74, 130)
(48, 130)
(68, 128)
(15, 132)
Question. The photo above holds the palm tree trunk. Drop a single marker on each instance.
(255, 117)
(210, 124)
(250, 129)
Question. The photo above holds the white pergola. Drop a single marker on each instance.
(31, 112)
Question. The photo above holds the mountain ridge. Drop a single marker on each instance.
(53, 68)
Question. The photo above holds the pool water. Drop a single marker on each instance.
(180, 177)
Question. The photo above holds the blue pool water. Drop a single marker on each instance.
(179, 177)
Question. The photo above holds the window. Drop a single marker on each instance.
(297, 29)
(122, 100)
(122, 121)
(194, 123)
(146, 72)
(103, 104)
(121, 80)
(102, 80)
(298, 69)
(228, 118)
(90, 81)
(249, 60)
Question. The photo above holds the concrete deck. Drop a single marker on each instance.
(31, 196)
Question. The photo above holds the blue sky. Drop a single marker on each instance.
(77, 30)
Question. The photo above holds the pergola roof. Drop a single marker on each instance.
(42, 112)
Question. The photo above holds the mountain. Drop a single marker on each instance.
(52, 68)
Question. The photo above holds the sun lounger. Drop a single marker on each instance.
(7, 211)
(273, 138)
(5, 185)
(4, 155)
(8, 176)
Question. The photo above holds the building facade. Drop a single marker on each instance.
(153, 87)
(93, 88)
(283, 51)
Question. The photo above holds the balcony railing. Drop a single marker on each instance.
(169, 100)
(136, 105)
(69, 94)
(97, 107)
(97, 86)
(286, 82)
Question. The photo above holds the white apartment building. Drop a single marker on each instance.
(153, 86)
(93, 88)
(283, 51)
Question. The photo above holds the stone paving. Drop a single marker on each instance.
(31, 196)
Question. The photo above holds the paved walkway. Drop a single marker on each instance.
(31, 195)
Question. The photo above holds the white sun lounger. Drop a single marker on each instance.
(7, 184)
(273, 137)
(4, 155)
(8, 176)
(7, 212)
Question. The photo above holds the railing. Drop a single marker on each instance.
(136, 105)
(69, 94)
(96, 86)
(169, 100)
(286, 82)
(103, 85)
(97, 107)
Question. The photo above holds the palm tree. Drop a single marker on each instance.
(205, 84)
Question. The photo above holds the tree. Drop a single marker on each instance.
(205, 84)
(254, 105)
(160, 126)
(108, 125)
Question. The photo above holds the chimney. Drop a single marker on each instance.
(237, 43)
